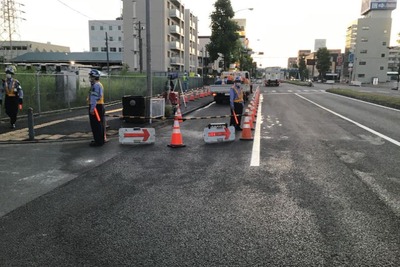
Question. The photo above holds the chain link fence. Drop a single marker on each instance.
(46, 93)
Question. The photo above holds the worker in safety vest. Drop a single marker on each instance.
(13, 95)
(236, 103)
(96, 109)
(185, 82)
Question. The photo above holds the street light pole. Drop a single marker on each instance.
(249, 8)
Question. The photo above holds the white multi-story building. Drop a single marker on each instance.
(370, 56)
(98, 29)
(173, 31)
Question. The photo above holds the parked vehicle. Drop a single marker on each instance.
(220, 89)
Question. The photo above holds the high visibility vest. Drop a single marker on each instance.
(239, 98)
(101, 100)
(10, 91)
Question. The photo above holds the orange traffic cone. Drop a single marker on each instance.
(248, 114)
(246, 131)
(176, 138)
(178, 114)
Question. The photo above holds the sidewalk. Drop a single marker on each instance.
(74, 125)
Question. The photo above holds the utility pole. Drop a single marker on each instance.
(140, 48)
(108, 59)
(9, 17)
(148, 59)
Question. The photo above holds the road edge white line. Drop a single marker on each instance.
(255, 153)
(397, 143)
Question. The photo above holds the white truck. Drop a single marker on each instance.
(220, 90)
(272, 76)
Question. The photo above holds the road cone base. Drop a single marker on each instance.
(247, 139)
(177, 146)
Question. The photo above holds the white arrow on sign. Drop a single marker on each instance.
(136, 135)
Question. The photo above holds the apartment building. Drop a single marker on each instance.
(349, 48)
(99, 30)
(174, 36)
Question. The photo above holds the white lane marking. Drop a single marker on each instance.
(397, 143)
(255, 153)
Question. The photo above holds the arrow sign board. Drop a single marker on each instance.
(218, 132)
(129, 136)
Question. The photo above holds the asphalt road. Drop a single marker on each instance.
(325, 192)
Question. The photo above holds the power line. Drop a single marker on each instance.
(73, 9)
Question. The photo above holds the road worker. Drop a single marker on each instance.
(185, 79)
(237, 103)
(96, 109)
(13, 95)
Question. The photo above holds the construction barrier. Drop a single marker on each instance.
(132, 136)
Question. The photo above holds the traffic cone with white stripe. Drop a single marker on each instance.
(178, 114)
(246, 130)
(176, 137)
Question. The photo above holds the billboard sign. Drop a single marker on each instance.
(368, 5)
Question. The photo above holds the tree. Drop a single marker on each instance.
(323, 61)
(303, 71)
(224, 33)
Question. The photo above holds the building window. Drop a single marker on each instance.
(363, 51)
(362, 63)
(92, 28)
(382, 68)
(119, 28)
(110, 38)
(101, 28)
(121, 49)
(361, 75)
(384, 43)
(382, 55)
(104, 49)
(364, 40)
(113, 49)
(95, 49)
(120, 38)
(365, 28)
(110, 28)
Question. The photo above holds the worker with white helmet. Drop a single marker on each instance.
(13, 95)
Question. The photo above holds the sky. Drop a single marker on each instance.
(277, 28)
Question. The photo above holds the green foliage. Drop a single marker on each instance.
(224, 33)
(384, 100)
(50, 92)
(323, 61)
(303, 69)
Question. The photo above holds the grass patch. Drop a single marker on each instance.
(384, 100)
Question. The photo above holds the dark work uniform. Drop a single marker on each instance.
(96, 102)
(13, 98)
(237, 104)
